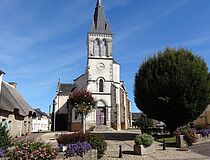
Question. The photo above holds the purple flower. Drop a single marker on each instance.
(77, 149)
(204, 132)
(60, 147)
(1, 153)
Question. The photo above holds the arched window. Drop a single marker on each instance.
(103, 48)
(101, 85)
(96, 47)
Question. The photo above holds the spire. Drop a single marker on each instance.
(99, 4)
(100, 24)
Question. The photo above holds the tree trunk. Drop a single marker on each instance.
(83, 123)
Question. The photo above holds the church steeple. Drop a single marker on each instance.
(100, 24)
(98, 3)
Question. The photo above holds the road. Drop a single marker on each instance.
(203, 149)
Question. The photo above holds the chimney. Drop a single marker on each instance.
(13, 84)
(1, 75)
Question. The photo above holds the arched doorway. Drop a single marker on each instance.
(101, 113)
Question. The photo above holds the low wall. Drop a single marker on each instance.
(91, 155)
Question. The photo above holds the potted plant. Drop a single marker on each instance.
(185, 136)
(143, 144)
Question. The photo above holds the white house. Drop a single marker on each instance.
(41, 122)
(102, 78)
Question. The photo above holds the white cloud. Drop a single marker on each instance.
(193, 42)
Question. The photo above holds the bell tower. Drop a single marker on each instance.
(99, 39)
(99, 71)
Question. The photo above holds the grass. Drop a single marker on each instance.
(167, 139)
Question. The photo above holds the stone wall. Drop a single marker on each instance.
(17, 124)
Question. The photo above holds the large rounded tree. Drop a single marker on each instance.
(173, 86)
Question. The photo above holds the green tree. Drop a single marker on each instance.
(173, 86)
(83, 102)
(5, 139)
(144, 122)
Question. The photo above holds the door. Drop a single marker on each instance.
(101, 116)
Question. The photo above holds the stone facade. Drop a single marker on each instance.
(15, 113)
(18, 125)
(204, 119)
(102, 79)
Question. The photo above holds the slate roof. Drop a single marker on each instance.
(79, 77)
(1, 72)
(100, 24)
(115, 62)
(39, 113)
(65, 89)
(10, 100)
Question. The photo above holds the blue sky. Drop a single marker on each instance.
(44, 40)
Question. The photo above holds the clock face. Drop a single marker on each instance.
(100, 66)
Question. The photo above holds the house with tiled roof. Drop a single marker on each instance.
(15, 113)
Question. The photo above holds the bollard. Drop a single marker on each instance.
(164, 144)
(120, 151)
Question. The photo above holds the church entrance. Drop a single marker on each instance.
(101, 116)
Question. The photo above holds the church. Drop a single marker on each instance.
(102, 79)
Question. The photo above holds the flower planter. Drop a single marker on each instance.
(141, 150)
(180, 142)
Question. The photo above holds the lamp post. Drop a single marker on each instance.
(48, 118)
(53, 115)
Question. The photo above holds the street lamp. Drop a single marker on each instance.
(53, 114)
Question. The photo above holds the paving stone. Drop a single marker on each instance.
(125, 138)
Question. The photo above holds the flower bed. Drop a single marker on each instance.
(33, 150)
(77, 149)
(71, 138)
(204, 132)
(1, 153)
(78, 144)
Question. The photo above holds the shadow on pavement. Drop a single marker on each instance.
(119, 136)
(129, 152)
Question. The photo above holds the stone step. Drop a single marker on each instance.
(103, 128)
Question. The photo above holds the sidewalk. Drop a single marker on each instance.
(112, 153)
(125, 138)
